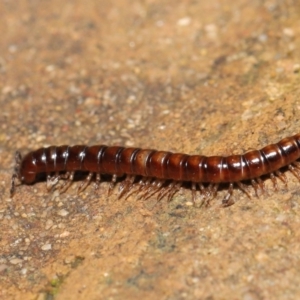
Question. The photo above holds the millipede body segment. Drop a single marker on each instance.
(157, 167)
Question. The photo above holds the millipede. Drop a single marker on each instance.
(151, 172)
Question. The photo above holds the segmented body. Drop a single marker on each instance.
(160, 165)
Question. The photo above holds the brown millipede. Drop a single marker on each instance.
(158, 167)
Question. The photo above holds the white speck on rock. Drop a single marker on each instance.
(24, 271)
(289, 32)
(184, 21)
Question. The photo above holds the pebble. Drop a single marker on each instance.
(16, 261)
(49, 224)
(64, 234)
(46, 247)
(55, 195)
(63, 212)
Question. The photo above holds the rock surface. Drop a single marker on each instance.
(204, 77)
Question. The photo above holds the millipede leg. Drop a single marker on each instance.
(227, 201)
(163, 192)
(282, 177)
(214, 190)
(261, 185)
(274, 181)
(112, 184)
(97, 181)
(174, 190)
(244, 188)
(206, 194)
(202, 188)
(155, 187)
(294, 171)
(258, 184)
(132, 190)
(144, 185)
(150, 187)
(68, 182)
(194, 189)
(169, 191)
(13, 184)
(137, 188)
(209, 189)
(18, 160)
(52, 181)
(255, 186)
(126, 185)
(210, 193)
(85, 183)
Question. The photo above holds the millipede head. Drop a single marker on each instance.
(16, 174)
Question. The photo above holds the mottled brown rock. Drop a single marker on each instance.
(204, 77)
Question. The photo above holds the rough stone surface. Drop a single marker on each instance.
(204, 77)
